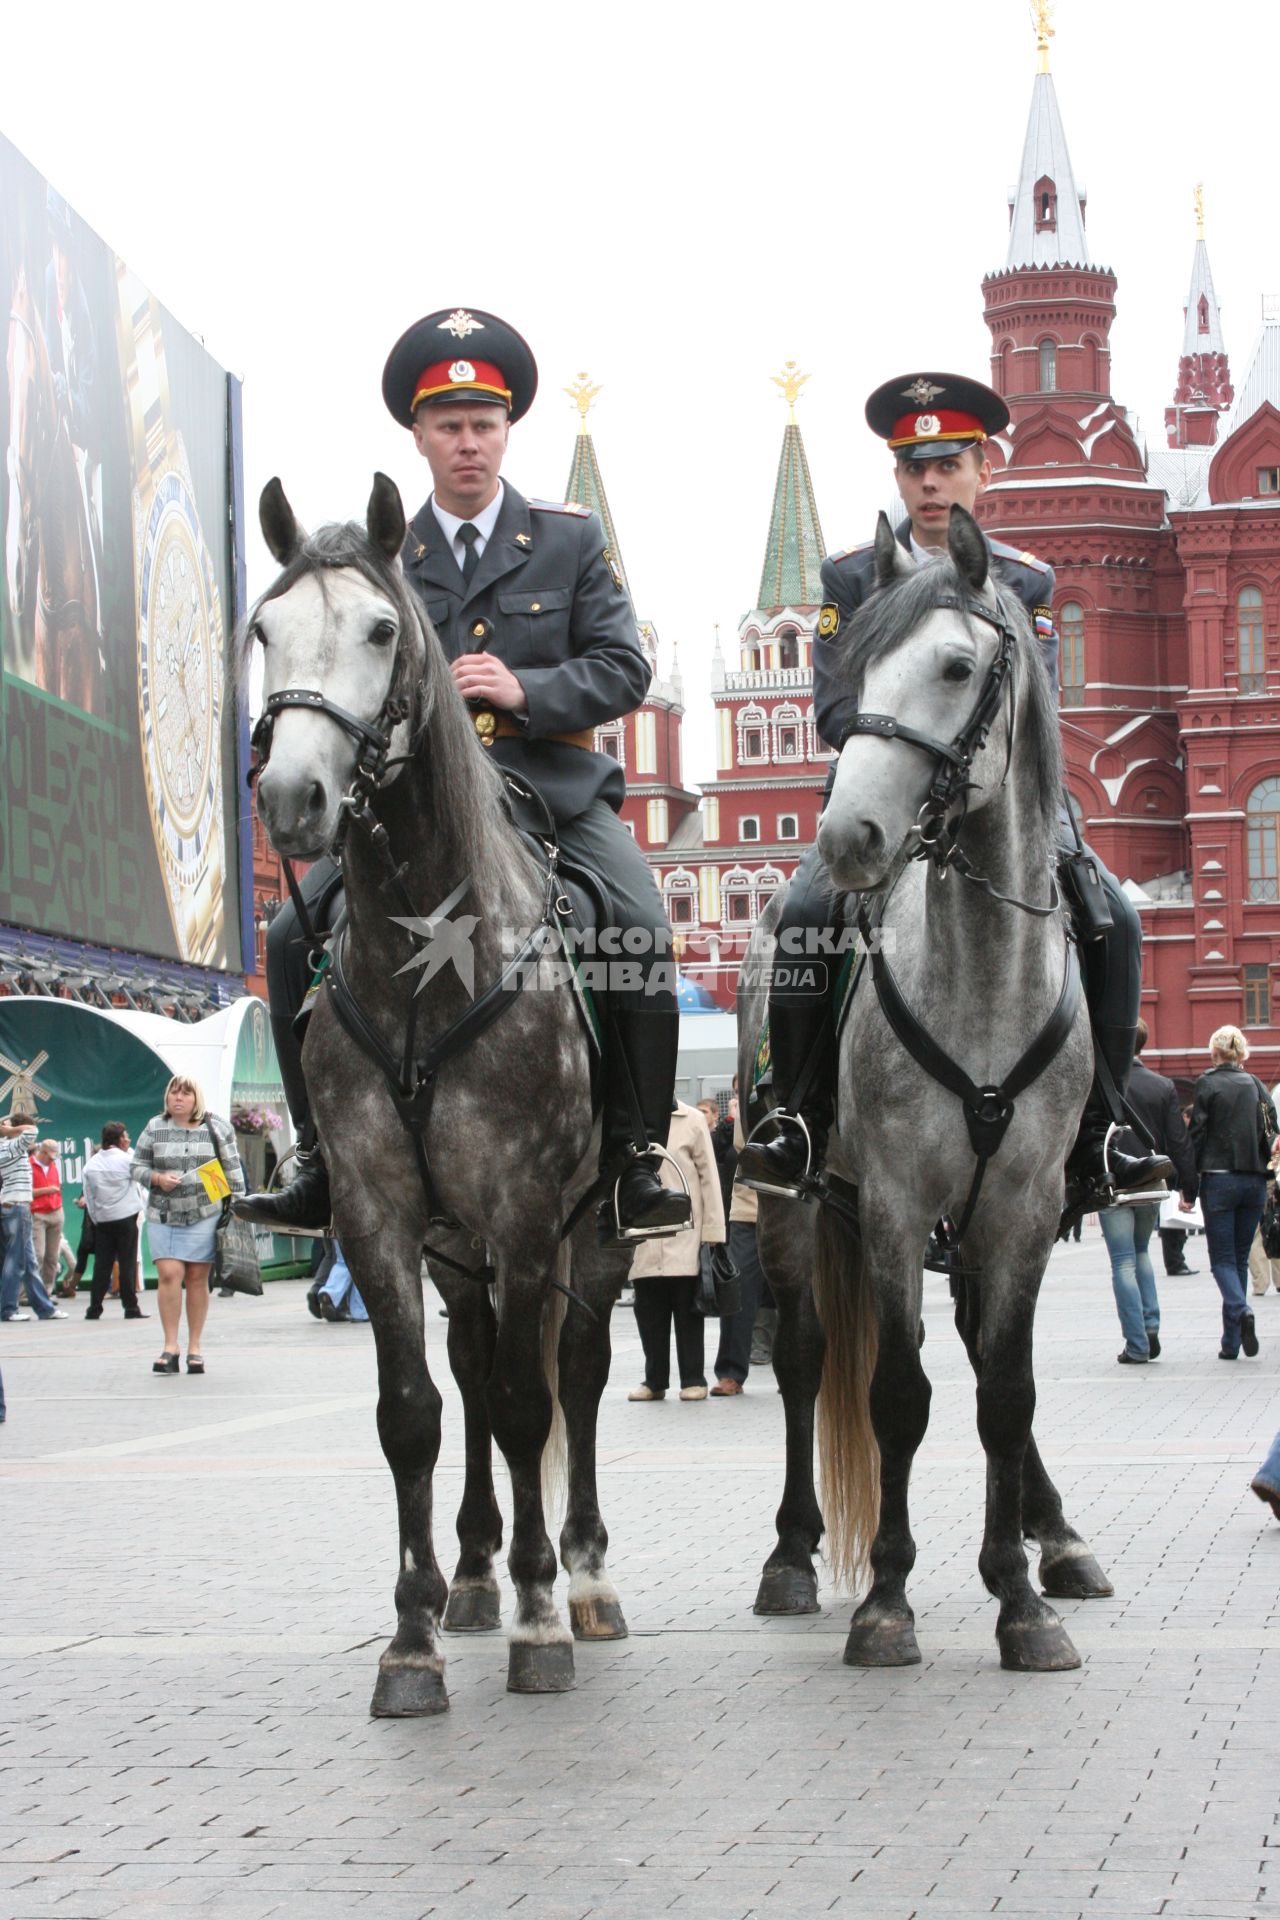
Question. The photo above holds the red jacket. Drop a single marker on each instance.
(46, 1186)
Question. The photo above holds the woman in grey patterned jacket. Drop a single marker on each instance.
(182, 1219)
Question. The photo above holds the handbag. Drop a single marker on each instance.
(1267, 1133)
(718, 1294)
(235, 1260)
(1270, 1224)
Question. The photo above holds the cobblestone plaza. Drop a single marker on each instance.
(197, 1579)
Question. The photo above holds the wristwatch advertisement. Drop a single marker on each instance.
(181, 644)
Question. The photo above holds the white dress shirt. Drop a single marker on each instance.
(484, 523)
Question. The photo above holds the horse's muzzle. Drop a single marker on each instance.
(854, 852)
(300, 817)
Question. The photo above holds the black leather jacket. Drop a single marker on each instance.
(1224, 1121)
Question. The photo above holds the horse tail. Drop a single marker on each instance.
(849, 1459)
(555, 1453)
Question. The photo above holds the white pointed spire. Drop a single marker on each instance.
(1203, 331)
(1046, 227)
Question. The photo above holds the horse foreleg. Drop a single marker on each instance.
(788, 1582)
(1031, 1636)
(541, 1647)
(1068, 1570)
(411, 1670)
(595, 1610)
(882, 1633)
(475, 1604)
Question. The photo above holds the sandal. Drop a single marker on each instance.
(195, 1363)
(167, 1363)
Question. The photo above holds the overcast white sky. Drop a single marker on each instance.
(675, 197)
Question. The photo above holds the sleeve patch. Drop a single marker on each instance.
(1043, 619)
(828, 622)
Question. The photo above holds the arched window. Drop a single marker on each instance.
(1262, 825)
(1203, 313)
(1048, 366)
(681, 889)
(735, 890)
(611, 739)
(1071, 638)
(787, 733)
(1046, 204)
(753, 734)
(788, 648)
(1249, 657)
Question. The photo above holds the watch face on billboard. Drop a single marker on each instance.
(118, 817)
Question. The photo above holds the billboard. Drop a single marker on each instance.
(118, 804)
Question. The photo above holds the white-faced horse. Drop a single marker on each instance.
(965, 1059)
(450, 1082)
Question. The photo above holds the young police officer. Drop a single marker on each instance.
(542, 643)
(937, 426)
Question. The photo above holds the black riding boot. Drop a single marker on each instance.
(640, 1072)
(1093, 1166)
(301, 1207)
(802, 1050)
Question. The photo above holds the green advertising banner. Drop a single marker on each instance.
(118, 804)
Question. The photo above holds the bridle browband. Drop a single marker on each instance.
(938, 823)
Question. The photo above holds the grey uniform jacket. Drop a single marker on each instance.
(847, 578)
(558, 618)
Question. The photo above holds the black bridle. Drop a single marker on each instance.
(942, 816)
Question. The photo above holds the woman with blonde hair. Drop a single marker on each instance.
(1227, 1123)
(176, 1160)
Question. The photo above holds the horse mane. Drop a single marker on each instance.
(891, 615)
(463, 789)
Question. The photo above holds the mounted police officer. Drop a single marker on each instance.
(936, 425)
(542, 643)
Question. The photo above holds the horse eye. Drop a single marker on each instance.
(959, 670)
(256, 633)
(384, 632)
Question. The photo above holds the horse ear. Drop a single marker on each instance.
(385, 517)
(280, 530)
(968, 549)
(892, 558)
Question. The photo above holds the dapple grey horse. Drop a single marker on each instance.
(984, 968)
(368, 745)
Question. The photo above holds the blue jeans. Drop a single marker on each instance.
(1269, 1471)
(1127, 1232)
(20, 1265)
(343, 1291)
(1232, 1205)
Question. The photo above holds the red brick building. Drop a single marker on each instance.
(1168, 602)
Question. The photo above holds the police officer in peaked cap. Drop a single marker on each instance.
(542, 643)
(937, 426)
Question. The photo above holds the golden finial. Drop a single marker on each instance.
(1040, 13)
(790, 382)
(582, 393)
(1200, 211)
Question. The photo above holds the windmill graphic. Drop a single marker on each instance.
(22, 1079)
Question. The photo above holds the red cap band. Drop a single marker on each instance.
(913, 428)
(460, 376)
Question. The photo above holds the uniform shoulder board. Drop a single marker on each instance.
(560, 506)
(847, 553)
(1024, 558)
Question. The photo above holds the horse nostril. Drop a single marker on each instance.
(315, 799)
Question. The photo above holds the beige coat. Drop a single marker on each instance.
(677, 1254)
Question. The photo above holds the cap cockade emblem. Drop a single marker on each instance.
(461, 323)
(461, 370)
(921, 392)
(927, 423)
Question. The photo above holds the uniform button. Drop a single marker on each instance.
(536, 607)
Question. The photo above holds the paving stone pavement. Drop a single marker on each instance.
(196, 1579)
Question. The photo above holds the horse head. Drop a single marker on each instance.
(931, 654)
(342, 648)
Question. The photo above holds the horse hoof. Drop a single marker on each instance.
(408, 1692)
(597, 1618)
(882, 1643)
(473, 1609)
(1077, 1577)
(1038, 1646)
(787, 1590)
(540, 1667)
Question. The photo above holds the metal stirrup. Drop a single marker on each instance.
(651, 1233)
(798, 1190)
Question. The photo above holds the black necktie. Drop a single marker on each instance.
(469, 534)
